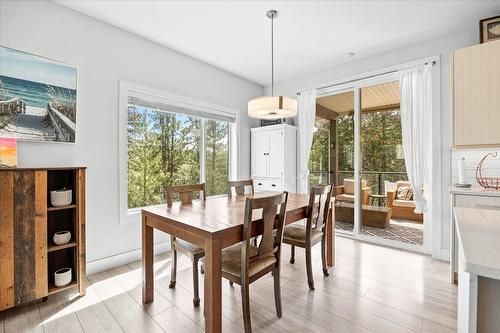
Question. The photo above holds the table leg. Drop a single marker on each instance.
(147, 262)
(213, 292)
(330, 239)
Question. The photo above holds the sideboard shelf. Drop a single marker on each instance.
(52, 209)
(54, 247)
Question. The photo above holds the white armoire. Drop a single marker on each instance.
(273, 155)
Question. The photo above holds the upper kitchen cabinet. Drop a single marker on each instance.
(476, 96)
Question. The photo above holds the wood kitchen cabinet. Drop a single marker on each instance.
(28, 258)
(476, 96)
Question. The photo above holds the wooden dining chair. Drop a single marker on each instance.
(185, 194)
(313, 232)
(244, 263)
(239, 187)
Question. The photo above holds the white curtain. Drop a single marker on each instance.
(306, 113)
(416, 108)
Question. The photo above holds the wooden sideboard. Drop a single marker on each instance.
(28, 256)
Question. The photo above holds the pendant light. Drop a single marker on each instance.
(272, 107)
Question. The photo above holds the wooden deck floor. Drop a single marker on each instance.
(372, 289)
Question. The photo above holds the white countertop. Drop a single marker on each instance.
(475, 191)
(478, 233)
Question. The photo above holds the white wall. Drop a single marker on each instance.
(104, 55)
(440, 46)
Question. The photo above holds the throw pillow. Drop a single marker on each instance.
(404, 193)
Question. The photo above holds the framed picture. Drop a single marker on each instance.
(37, 98)
(8, 153)
(489, 29)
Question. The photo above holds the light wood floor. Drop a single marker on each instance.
(372, 289)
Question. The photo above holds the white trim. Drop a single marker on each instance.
(120, 259)
(384, 242)
(127, 89)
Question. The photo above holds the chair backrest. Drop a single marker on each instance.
(185, 193)
(239, 187)
(401, 183)
(319, 205)
(349, 185)
(270, 242)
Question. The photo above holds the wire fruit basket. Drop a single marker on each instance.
(487, 182)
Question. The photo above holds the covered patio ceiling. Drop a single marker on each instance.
(379, 97)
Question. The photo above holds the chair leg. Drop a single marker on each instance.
(196, 299)
(277, 292)
(173, 271)
(310, 279)
(292, 255)
(323, 257)
(245, 302)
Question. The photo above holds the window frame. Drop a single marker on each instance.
(126, 90)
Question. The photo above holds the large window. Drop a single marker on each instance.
(171, 145)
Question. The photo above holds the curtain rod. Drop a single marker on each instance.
(433, 62)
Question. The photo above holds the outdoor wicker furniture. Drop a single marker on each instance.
(371, 216)
(345, 193)
(403, 209)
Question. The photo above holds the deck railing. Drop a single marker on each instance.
(375, 179)
(9, 108)
(64, 128)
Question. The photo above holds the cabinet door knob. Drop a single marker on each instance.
(273, 185)
(259, 184)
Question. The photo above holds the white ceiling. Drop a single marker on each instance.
(309, 35)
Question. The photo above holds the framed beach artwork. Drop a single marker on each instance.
(37, 98)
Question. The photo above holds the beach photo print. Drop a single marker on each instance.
(37, 98)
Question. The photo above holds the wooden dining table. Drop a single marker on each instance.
(212, 224)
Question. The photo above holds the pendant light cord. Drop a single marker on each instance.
(272, 56)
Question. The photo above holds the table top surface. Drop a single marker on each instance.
(478, 231)
(218, 213)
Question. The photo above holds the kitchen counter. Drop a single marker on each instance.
(478, 233)
(475, 190)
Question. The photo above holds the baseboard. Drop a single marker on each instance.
(104, 264)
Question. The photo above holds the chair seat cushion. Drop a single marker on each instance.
(231, 260)
(297, 234)
(403, 203)
(191, 248)
(345, 198)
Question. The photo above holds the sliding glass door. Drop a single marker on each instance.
(367, 163)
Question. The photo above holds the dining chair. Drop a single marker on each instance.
(185, 194)
(314, 231)
(240, 187)
(244, 263)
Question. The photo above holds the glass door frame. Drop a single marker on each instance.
(356, 87)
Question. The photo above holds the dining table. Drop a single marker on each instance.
(213, 224)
